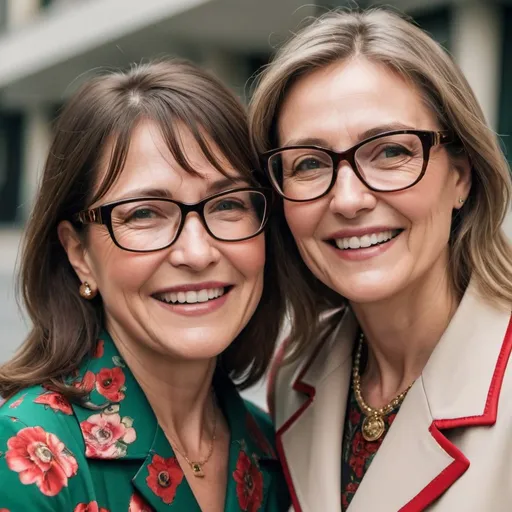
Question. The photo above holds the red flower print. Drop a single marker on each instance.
(350, 490)
(99, 349)
(165, 475)
(258, 436)
(357, 464)
(4, 509)
(55, 401)
(2, 402)
(361, 451)
(249, 480)
(109, 383)
(107, 436)
(354, 417)
(86, 383)
(89, 507)
(16, 403)
(137, 504)
(41, 458)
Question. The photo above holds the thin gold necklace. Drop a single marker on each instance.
(373, 425)
(197, 466)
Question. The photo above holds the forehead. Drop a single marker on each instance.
(348, 98)
(151, 164)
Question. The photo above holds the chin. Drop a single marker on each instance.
(368, 288)
(196, 343)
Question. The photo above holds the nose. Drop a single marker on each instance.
(350, 196)
(194, 248)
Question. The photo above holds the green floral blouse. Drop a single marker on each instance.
(110, 455)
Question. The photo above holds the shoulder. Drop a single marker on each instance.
(40, 451)
(37, 406)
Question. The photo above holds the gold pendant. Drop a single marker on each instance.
(373, 428)
(197, 469)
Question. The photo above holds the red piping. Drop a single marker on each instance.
(460, 463)
(310, 391)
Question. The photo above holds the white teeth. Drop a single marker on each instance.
(356, 242)
(191, 297)
(202, 296)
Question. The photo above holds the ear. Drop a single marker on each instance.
(74, 246)
(462, 168)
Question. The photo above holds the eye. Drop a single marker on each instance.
(311, 163)
(393, 151)
(141, 214)
(228, 205)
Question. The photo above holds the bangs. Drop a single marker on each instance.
(212, 131)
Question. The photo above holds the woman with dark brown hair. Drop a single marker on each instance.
(143, 272)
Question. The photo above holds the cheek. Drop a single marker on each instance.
(303, 219)
(248, 257)
(119, 271)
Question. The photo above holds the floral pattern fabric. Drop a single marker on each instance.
(108, 453)
(357, 453)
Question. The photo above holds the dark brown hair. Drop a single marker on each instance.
(478, 246)
(108, 108)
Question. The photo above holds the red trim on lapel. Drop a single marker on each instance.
(460, 464)
(276, 364)
(310, 391)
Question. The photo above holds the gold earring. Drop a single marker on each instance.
(86, 292)
(461, 200)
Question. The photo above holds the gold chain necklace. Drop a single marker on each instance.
(373, 425)
(197, 466)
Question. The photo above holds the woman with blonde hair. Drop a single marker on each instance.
(394, 392)
(144, 274)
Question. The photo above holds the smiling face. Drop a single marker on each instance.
(366, 245)
(188, 301)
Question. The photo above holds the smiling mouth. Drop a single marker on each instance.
(193, 296)
(365, 241)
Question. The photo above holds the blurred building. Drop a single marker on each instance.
(48, 47)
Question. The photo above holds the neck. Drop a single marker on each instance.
(401, 333)
(179, 392)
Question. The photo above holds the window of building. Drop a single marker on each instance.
(505, 116)
(11, 127)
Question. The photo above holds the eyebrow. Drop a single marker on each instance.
(162, 193)
(376, 130)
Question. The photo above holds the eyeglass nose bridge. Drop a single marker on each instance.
(185, 210)
(338, 157)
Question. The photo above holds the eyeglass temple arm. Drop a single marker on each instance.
(89, 216)
(443, 137)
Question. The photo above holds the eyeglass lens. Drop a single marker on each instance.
(152, 224)
(388, 163)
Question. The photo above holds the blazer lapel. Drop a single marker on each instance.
(459, 388)
(309, 440)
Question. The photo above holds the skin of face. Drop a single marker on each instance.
(127, 281)
(336, 105)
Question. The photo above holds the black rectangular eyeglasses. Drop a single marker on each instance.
(146, 224)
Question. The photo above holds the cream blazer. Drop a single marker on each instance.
(450, 446)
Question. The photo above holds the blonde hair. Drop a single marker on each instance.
(478, 246)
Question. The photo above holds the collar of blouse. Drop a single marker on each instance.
(117, 423)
